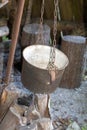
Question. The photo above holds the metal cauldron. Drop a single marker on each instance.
(35, 75)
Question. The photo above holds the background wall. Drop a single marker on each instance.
(72, 11)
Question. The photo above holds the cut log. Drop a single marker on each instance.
(41, 103)
(74, 48)
(10, 94)
(31, 35)
(33, 114)
(9, 122)
(40, 124)
(44, 124)
(13, 118)
(7, 98)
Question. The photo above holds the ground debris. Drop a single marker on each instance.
(61, 124)
(73, 126)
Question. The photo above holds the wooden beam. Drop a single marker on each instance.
(15, 34)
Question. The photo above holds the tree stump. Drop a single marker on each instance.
(73, 47)
(31, 33)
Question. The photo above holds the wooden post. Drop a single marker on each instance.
(14, 39)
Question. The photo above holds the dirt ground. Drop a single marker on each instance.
(71, 104)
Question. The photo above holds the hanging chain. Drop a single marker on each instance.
(42, 12)
(51, 64)
(55, 22)
(29, 9)
(40, 37)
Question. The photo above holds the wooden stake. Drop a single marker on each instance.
(15, 33)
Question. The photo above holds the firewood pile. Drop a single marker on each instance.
(22, 110)
(24, 113)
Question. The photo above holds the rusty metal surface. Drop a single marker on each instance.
(37, 80)
(35, 75)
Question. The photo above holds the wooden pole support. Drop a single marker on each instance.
(15, 33)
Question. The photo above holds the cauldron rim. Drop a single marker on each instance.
(57, 50)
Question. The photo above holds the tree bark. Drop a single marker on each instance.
(74, 49)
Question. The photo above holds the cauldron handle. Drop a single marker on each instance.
(52, 76)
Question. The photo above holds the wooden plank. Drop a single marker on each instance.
(73, 10)
(6, 100)
(36, 8)
(77, 10)
(66, 10)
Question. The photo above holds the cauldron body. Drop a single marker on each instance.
(35, 75)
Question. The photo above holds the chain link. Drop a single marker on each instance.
(29, 9)
(40, 38)
(42, 13)
(55, 22)
(51, 64)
